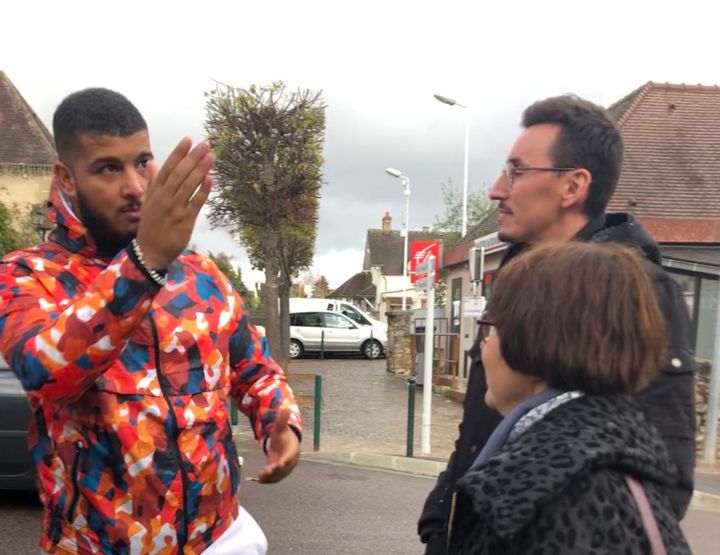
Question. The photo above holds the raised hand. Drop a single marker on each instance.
(173, 200)
(283, 451)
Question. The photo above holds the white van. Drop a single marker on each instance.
(300, 304)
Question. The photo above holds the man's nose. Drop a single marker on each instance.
(501, 188)
(135, 183)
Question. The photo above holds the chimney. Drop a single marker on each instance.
(426, 229)
(387, 222)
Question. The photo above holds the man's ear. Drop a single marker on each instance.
(66, 180)
(577, 187)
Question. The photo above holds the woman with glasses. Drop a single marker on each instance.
(574, 467)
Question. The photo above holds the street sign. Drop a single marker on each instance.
(421, 251)
(473, 307)
(423, 283)
(425, 266)
(425, 274)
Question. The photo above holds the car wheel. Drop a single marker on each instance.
(372, 349)
(296, 349)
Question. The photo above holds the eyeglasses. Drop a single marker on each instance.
(486, 329)
(512, 172)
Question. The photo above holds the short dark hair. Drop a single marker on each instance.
(94, 111)
(580, 316)
(589, 139)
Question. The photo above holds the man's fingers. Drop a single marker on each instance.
(185, 170)
(195, 180)
(176, 156)
(274, 472)
(201, 195)
(153, 170)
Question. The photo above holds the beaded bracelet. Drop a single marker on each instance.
(155, 276)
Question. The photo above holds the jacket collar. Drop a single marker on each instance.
(69, 231)
(616, 227)
(575, 439)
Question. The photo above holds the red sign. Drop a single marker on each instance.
(420, 251)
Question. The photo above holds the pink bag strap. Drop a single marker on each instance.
(646, 515)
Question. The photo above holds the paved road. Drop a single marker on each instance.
(365, 408)
(323, 509)
(328, 509)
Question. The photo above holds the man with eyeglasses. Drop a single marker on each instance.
(555, 185)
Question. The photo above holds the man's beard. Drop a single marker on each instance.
(107, 241)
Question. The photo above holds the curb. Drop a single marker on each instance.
(407, 465)
(423, 467)
(705, 501)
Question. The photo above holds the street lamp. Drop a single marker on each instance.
(406, 223)
(452, 102)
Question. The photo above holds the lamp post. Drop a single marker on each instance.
(452, 102)
(406, 223)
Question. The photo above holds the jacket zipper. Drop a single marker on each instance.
(74, 478)
(174, 442)
(451, 518)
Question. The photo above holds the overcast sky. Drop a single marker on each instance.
(378, 64)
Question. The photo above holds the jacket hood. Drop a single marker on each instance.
(582, 436)
(69, 231)
(624, 228)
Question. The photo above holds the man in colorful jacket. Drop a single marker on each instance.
(130, 349)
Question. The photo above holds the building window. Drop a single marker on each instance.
(455, 305)
(701, 297)
(706, 318)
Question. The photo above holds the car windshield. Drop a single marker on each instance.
(354, 315)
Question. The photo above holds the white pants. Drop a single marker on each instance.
(244, 537)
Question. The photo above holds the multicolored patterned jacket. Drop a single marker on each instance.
(130, 387)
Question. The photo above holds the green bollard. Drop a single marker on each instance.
(411, 417)
(322, 344)
(318, 406)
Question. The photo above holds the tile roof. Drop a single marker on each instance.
(385, 248)
(671, 167)
(24, 139)
(459, 253)
(359, 286)
(489, 224)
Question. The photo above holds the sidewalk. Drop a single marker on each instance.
(364, 412)
(364, 422)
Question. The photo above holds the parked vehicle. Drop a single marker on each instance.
(312, 331)
(300, 304)
(17, 470)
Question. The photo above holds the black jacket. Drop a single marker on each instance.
(669, 402)
(559, 488)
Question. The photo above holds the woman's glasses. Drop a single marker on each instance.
(486, 328)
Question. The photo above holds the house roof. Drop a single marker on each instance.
(459, 253)
(489, 224)
(24, 139)
(358, 286)
(671, 166)
(385, 248)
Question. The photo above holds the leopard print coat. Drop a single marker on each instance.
(559, 488)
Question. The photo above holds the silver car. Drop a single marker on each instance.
(333, 333)
(17, 470)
